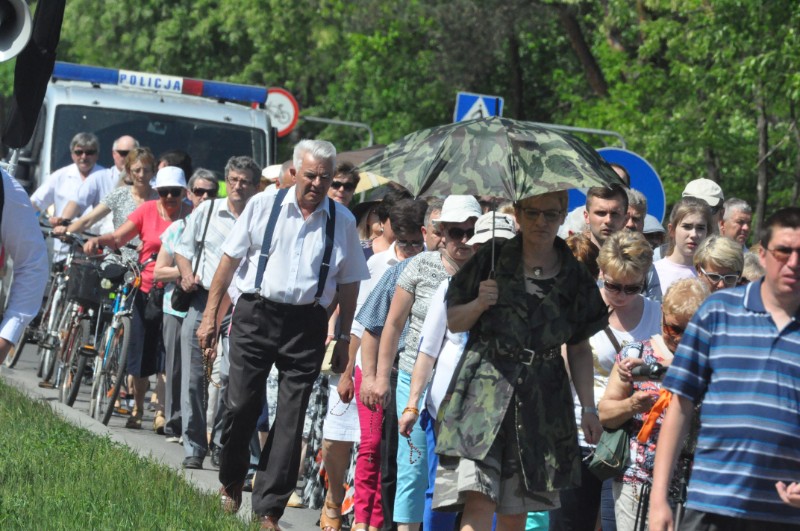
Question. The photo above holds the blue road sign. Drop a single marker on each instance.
(470, 106)
(643, 178)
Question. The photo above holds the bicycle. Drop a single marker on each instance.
(111, 363)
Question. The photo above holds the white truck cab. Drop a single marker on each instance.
(210, 120)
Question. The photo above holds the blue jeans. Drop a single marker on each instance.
(433, 519)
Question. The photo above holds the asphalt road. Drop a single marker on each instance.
(144, 442)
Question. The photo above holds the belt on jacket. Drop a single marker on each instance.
(527, 355)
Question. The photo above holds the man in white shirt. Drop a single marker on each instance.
(281, 318)
(59, 188)
(25, 248)
(242, 176)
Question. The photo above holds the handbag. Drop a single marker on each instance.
(181, 299)
(154, 308)
(610, 457)
(327, 365)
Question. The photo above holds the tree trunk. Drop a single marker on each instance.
(517, 84)
(594, 75)
(796, 134)
(712, 165)
(762, 184)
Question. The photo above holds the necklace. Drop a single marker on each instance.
(539, 272)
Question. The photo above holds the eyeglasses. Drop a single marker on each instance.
(616, 288)
(82, 152)
(239, 182)
(782, 253)
(200, 192)
(347, 186)
(174, 191)
(457, 233)
(714, 278)
(550, 216)
(405, 244)
(671, 329)
(122, 152)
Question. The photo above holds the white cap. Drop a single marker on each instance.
(503, 228)
(651, 225)
(459, 208)
(170, 177)
(705, 189)
(272, 172)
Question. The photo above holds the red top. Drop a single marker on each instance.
(150, 226)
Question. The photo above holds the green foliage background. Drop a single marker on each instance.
(681, 80)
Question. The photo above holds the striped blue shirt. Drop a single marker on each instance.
(373, 313)
(746, 373)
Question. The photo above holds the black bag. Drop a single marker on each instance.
(181, 300)
(154, 308)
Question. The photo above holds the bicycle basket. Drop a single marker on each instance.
(84, 284)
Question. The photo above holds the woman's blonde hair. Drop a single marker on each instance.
(625, 254)
(721, 252)
(684, 297)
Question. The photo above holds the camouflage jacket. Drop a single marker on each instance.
(483, 387)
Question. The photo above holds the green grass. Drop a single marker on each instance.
(54, 475)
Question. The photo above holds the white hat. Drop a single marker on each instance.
(459, 208)
(651, 225)
(272, 172)
(170, 177)
(704, 189)
(503, 228)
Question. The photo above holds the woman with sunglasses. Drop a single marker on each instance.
(147, 222)
(412, 296)
(507, 441)
(719, 261)
(631, 399)
(689, 224)
(343, 185)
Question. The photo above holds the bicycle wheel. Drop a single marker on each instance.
(114, 370)
(56, 333)
(71, 368)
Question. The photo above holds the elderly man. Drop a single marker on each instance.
(59, 187)
(197, 256)
(736, 218)
(637, 210)
(740, 356)
(299, 246)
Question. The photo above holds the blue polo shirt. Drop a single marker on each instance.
(746, 373)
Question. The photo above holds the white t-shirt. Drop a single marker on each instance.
(604, 353)
(668, 272)
(437, 341)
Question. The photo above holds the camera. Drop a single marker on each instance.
(651, 371)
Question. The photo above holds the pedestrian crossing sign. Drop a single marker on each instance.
(470, 106)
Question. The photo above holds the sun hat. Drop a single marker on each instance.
(170, 177)
(651, 225)
(459, 208)
(704, 189)
(503, 228)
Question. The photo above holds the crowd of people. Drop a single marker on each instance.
(434, 364)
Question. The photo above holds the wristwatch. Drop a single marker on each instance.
(344, 337)
(589, 409)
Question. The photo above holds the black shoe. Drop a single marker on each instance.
(248, 482)
(215, 454)
(193, 462)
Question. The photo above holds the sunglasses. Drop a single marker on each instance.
(122, 152)
(174, 191)
(348, 187)
(782, 254)
(673, 330)
(405, 244)
(550, 216)
(200, 192)
(714, 278)
(457, 234)
(87, 152)
(627, 290)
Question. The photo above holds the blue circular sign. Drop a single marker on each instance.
(643, 178)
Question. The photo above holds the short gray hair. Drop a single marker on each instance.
(636, 200)
(319, 149)
(88, 140)
(244, 164)
(206, 175)
(734, 204)
(435, 204)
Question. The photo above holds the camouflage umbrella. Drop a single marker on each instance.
(492, 156)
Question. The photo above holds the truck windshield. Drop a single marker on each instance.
(210, 144)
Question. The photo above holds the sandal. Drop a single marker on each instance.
(134, 422)
(330, 522)
(159, 422)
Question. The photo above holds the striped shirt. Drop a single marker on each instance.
(746, 372)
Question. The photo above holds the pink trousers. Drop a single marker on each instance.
(368, 508)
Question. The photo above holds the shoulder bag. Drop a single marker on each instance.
(181, 300)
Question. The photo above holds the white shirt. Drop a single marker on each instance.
(377, 265)
(58, 189)
(25, 248)
(219, 227)
(292, 272)
(96, 186)
(668, 272)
